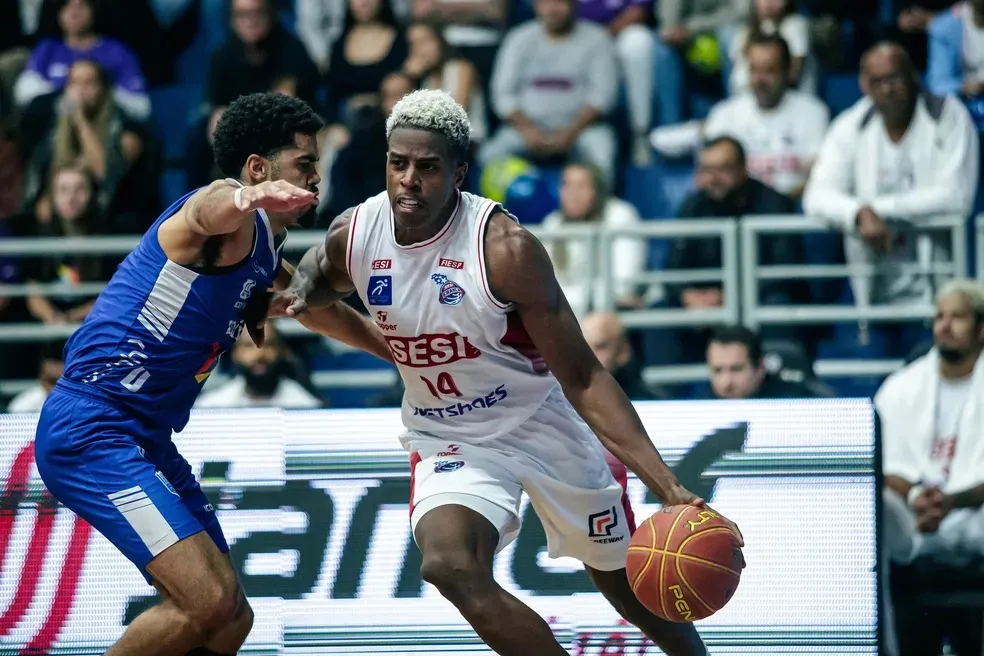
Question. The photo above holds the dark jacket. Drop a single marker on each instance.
(705, 253)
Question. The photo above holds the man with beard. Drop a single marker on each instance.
(136, 365)
(931, 411)
(265, 378)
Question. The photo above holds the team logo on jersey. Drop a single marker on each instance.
(379, 265)
(382, 321)
(451, 292)
(380, 290)
(451, 264)
(445, 466)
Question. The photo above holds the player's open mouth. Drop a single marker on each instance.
(408, 204)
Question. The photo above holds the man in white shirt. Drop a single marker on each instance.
(49, 371)
(894, 159)
(780, 128)
(262, 380)
(932, 419)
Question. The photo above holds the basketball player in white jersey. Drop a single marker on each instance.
(497, 373)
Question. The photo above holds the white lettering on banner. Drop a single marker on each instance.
(290, 483)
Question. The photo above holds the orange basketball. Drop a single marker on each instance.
(684, 563)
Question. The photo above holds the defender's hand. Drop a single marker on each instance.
(274, 196)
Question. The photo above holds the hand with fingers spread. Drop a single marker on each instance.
(274, 196)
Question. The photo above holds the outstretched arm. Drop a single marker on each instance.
(520, 272)
(339, 321)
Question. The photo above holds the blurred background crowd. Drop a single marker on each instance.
(863, 117)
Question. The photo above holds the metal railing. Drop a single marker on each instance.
(739, 275)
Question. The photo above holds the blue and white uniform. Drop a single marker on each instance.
(132, 373)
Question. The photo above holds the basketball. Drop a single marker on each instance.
(684, 563)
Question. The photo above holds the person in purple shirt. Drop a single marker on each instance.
(625, 20)
(47, 69)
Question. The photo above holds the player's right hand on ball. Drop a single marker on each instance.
(275, 196)
(683, 497)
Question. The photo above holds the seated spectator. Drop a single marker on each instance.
(605, 334)
(319, 24)
(931, 412)
(263, 378)
(775, 18)
(49, 371)
(473, 28)
(71, 210)
(359, 168)
(737, 368)
(51, 60)
(434, 65)
(370, 47)
(894, 159)
(956, 51)
(585, 199)
(555, 81)
(625, 20)
(260, 56)
(681, 24)
(781, 129)
(90, 132)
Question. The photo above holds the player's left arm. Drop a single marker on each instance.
(339, 321)
(520, 272)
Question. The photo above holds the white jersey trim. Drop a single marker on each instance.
(482, 269)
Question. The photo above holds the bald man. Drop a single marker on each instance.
(606, 336)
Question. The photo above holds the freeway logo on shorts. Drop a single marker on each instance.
(601, 524)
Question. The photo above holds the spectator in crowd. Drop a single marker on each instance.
(585, 199)
(724, 189)
(737, 367)
(71, 211)
(263, 378)
(434, 65)
(359, 168)
(931, 411)
(474, 29)
(371, 46)
(775, 18)
(605, 334)
(90, 132)
(319, 24)
(51, 60)
(49, 371)
(681, 23)
(626, 20)
(956, 51)
(555, 81)
(894, 159)
(259, 56)
(781, 129)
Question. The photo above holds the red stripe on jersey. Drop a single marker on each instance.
(351, 242)
(414, 461)
(517, 338)
(621, 474)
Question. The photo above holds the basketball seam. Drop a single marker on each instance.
(687, 557)
(649, 559)
(683, 580)
(708, 531)
(662, 564)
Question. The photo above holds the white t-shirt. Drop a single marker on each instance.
(951, 400)
(973, 46)
(780, 143)
(795, 30)
(289, 395)
(30, 400)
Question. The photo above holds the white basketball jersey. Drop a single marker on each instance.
(471, 371)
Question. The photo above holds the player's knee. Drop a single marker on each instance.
(457, 574)
(244, 619)
(218, 605)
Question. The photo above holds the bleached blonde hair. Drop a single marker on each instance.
(435, 111)
(969, 290)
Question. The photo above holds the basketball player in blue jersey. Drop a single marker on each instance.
(135, 366)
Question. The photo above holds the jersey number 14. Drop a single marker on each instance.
(444, 385)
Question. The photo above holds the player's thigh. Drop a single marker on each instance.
(90, 460)
(175, 470)
(445, 475)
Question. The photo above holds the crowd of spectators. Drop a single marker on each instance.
(591, 89)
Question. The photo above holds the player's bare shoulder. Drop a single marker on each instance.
(337, 238)
(517, 263)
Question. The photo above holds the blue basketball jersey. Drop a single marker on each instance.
(158, 328)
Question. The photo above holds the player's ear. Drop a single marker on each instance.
(459, 174)
(257, 169)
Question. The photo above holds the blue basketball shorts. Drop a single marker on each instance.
(123, 477)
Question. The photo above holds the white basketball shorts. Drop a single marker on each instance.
(554, 458)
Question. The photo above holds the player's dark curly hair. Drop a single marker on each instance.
(260, 124)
